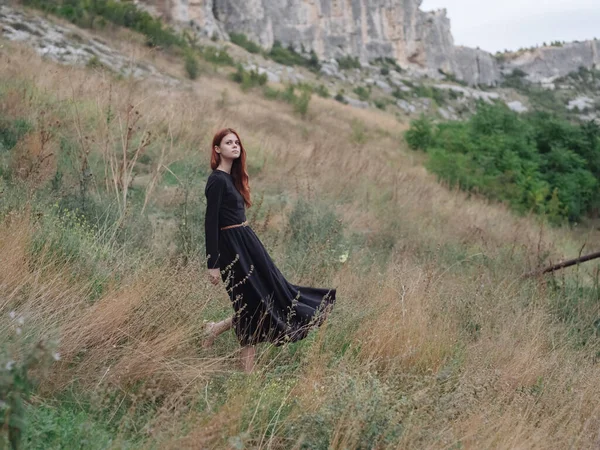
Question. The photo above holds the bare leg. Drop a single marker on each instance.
(214, 329)
(247, 356)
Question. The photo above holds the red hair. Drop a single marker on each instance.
(238, 169)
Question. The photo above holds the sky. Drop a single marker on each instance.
(510, 24)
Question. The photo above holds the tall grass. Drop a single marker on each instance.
(435, 341)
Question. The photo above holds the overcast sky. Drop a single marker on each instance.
(510, 24)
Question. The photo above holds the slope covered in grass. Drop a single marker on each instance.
(435, 341)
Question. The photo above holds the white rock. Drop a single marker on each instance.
(356, 103)
(580, 103)
(406, 106)
(517, 106)
(385, 87)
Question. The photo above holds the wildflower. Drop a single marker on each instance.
(18, 330)
(9, 365)
(56, 356)
(12, 314)
(343, 257)
(21, 320)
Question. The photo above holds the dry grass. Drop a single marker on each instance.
(466, 355)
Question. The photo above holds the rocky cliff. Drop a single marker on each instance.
(368, 29)
(546, 63)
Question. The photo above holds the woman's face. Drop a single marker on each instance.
(230, 147)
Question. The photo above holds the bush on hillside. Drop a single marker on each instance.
(243, 41)
(248, 79)
(290, 57)
(191, 65)
(85, 14)
(348, 62)
(537, 162)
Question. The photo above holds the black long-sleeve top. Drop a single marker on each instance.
(224, 206)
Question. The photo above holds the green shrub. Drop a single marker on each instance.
(248, 79)
(243, 41)
(322, 91)
(386, 64)
(85, 13)
(363, 93)
(217, 56)
(438, 95)
(536, 162)
(301, 103)
(380, 104)
(420, 134)
(400, 94)
(191, 65)
(340, 97)
(11, 131)
(271, 93)
(348, 62)
(289, 57)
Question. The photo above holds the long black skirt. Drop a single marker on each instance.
(267, 307)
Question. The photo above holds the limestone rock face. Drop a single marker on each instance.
(366, 29)
(547, 63)
(418, 40)
(475, 66)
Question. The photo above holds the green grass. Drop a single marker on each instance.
(57, 427)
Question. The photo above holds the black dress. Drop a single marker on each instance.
(267, 307)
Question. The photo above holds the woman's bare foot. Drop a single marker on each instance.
(209, 335)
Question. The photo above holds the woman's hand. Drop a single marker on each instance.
(214, 275)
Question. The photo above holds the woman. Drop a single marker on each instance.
(267, 307)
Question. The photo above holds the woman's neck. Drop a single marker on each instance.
(225, 165)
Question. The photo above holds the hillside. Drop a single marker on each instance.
(435, 342)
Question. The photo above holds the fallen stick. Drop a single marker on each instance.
(562, 265)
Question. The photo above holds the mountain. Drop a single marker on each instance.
(368, 29)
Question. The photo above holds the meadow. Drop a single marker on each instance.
(436, 340)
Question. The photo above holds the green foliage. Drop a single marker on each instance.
(217, 56)
(537, 162)
(243, 41)
(340, 97)
(362, 92)
(88, 14)
(61, 427)
(516, 79)
(400, 94)
(420, 134)
(289, 57)
(18, 378)
(438, 95)
(322, 91)
(387, 64)
(380, 103)
(299, 101)
(248, 79)
(11, 131)
(348, 62)
(95, 63)
(191, 65)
